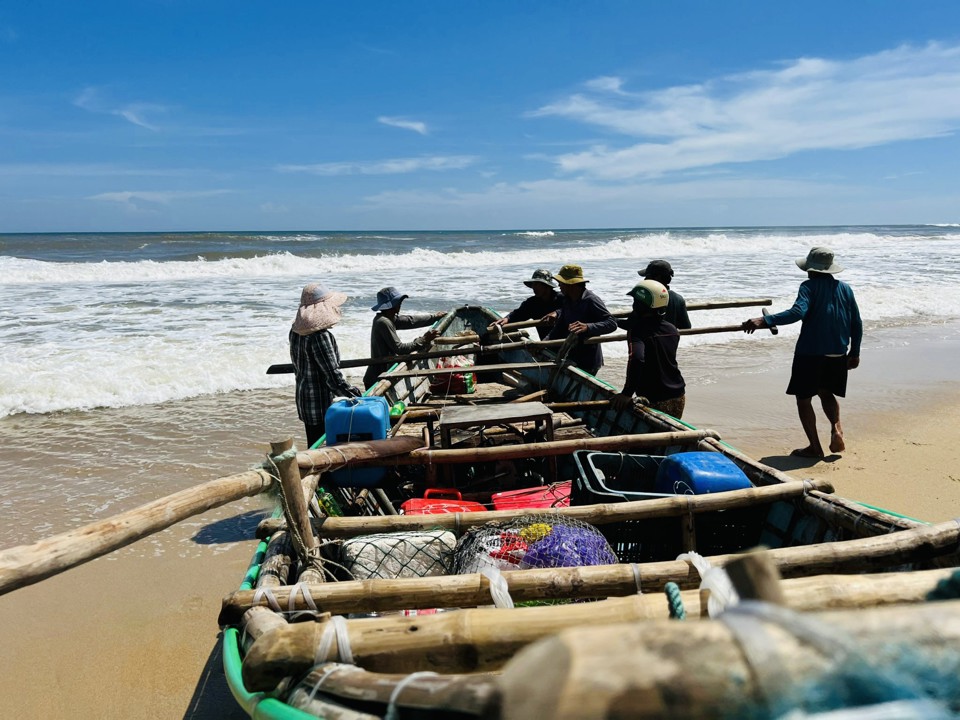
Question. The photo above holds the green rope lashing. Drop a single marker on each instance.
(675, 601)
(946, 589)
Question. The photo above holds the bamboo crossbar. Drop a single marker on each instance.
(751, 663)
(569, 583)
(427, 372)
(347, 527)
(482, 639)
(431, 456)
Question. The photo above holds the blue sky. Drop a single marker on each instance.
(175, 115)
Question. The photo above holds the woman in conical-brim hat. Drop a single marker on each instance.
(319, 309)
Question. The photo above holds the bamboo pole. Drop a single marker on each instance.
(26, 564)
(333, 457)
(294, 506)
(709, 669)
(755, 577)
(599, 514)
(706, 305)
(550, 448)
(483, 639)
(458, 695)
(848, 556)
(285, 368)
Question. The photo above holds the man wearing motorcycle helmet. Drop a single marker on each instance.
(652, 370)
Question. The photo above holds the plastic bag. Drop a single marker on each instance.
(461, 383)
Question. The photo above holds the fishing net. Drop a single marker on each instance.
(532, 541)
(398, 555)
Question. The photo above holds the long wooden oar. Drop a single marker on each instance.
(287, 368)
(27, 564)
(471, 340)
(706, 305)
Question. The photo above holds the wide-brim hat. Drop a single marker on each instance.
(319, 309)
(542, 277)
(570, 275)
(819, 259)
(388, 297)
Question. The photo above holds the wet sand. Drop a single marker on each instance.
(134, 634)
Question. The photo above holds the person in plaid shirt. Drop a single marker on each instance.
(316, 358)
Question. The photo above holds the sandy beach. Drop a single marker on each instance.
(134, 634)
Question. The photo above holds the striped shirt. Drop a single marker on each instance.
(316, 361)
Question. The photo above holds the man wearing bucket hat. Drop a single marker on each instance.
(583, 314)
(828, 346)
(676, 311)
(316, 357)
(652, 370)
(542, 305)
(384, 341)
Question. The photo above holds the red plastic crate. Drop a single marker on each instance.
(437, 501)
(542, 496)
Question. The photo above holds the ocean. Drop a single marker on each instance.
(134, 364)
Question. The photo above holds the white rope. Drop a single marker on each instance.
(636, 576)
(327, 673)
(307, 597)
(392, 712)
(266, 594)
(336, 627)
(498, 587)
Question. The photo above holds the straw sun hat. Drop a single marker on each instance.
(319, 309)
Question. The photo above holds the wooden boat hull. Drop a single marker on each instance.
(810, 531)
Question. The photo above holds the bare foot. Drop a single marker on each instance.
(836, 442)
(807, 452)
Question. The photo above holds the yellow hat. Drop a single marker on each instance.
(571, 275)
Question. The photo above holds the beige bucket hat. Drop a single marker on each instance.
(571, 275)
(319, 309)
(819, 259)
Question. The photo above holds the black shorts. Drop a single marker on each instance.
(813, 374)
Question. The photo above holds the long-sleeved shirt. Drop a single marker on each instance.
(676, 313)
(591, 311)
(534, 308)
(652, 369)
(316, 362)
(830, 315)
(385, 343)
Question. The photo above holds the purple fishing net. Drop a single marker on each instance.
(532, 541)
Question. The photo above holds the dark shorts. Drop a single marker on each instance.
(813, 374)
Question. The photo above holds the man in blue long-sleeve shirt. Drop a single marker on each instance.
(828, 346)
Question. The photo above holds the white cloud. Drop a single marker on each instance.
(393, 166)
(415, 125)
(90, 100)
(134, 198)
(86, 170)
(584, 193)
(907, 93)
(606, 83)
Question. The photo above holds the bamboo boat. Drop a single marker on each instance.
(306, 636)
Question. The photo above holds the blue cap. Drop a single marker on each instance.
(388, 297)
